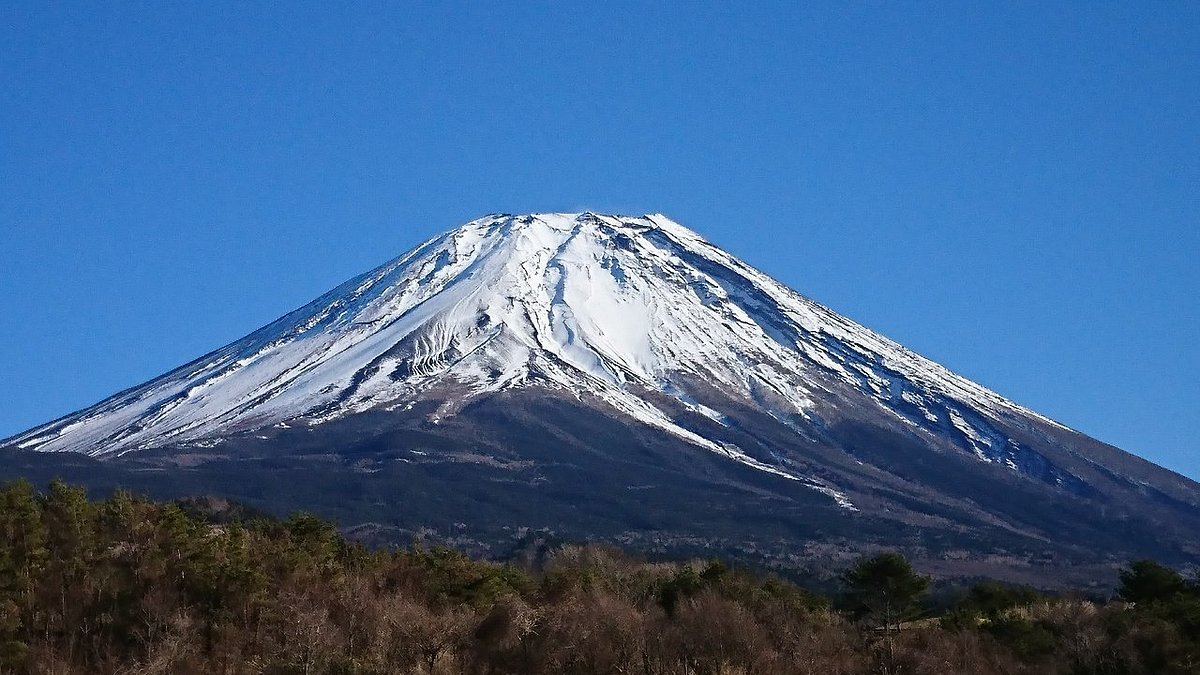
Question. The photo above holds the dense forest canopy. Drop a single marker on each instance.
(128, 585)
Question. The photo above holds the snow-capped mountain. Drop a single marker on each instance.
(605, 305)
(635, 318)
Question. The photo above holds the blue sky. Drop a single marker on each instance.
(1012, 189)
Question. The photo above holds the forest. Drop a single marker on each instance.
(128, 585)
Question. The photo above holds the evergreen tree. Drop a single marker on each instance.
(1148, 581)
(22, 558)
(883, 589)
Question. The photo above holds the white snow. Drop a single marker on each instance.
(978, 441)
(603, 306)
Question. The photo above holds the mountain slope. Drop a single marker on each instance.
(639, 321)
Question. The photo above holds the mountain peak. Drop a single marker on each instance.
(604, 224)
(625, 309)
(544, 343)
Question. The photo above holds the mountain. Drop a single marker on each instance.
(622, 378)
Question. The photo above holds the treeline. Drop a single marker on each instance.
(132, 586)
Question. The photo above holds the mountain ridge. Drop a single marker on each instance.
(643, 322)
(652, 221)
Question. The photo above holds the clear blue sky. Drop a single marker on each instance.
(1012, 189)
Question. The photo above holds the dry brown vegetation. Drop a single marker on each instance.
(130, 586)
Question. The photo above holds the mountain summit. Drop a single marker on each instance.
(555, 330)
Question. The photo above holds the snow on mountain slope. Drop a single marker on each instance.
(612, 308)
